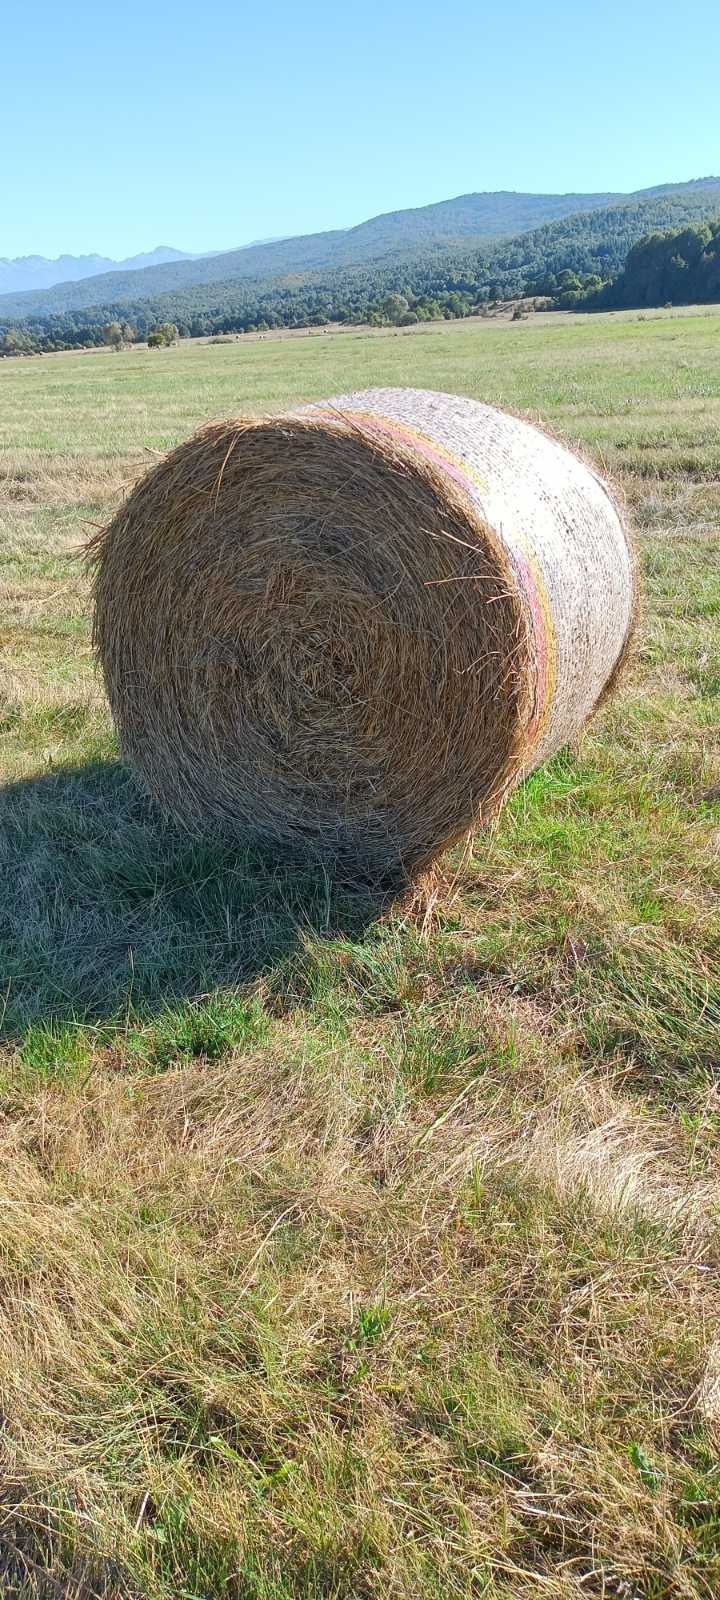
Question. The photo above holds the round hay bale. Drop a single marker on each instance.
(356, 627)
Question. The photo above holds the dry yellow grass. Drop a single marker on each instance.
(348, 1255)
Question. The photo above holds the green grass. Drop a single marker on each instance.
(352, 1250)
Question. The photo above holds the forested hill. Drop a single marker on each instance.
(596, 242)
(474, 217)
(568, 260)
(470, 220)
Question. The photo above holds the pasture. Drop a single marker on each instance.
(354, 1252)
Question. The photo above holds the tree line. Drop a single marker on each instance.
(677, 268)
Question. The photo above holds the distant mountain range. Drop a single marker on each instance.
(482, 246)
(37, 272)
(23, 274)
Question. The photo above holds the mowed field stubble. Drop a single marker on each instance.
(349, 1251)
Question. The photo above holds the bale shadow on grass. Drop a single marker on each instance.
(106, 908)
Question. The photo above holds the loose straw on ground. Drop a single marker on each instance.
(354, 628)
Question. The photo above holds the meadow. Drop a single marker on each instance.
(351, 1251)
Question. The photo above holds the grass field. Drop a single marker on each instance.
(347, 1256)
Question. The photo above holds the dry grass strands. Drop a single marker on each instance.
(354, 628)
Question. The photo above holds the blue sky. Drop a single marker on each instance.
(209, 124)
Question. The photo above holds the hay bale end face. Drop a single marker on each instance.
(355, 627)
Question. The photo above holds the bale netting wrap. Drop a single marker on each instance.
(357, 626)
